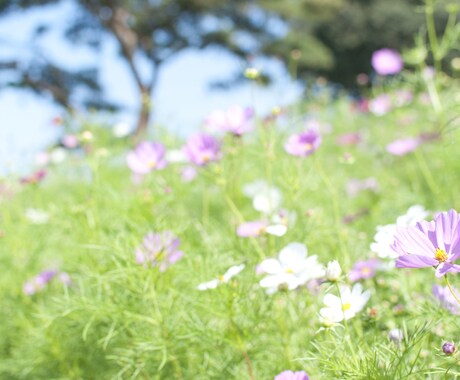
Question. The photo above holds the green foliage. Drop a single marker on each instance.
(120, 320)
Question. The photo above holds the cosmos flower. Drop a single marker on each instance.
(290, 375)
(147, 156)
(349, 303)
(34, 178)
(446, 298)
(159, 249)
(349, 139)
(226, 277)
(292, 268)
(36, 216)
(236, 120)
(430, 244)
(303, 144)
(258, 227)
(387, 62)
(121, 129)
(403, 146)
(188, 174)
(330, 317)
(380, 105)
(385, 234)
(39, 282)
(333, 271)
(363, 269)
(70, 141)
(265, 198)
(201, 149)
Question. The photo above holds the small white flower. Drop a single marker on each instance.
(384, 237)
(292, 268)
(36, 216)
(265, 198)
(176, 156)
(330, 317)
(276, 230)
(226, 277)
(395, 335)
(333, 270)
(121, 129)
(349, 303)
(58, 155)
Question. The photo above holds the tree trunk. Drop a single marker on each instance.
(144, 114)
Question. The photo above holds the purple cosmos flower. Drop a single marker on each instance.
(387, 62)
(446, 298)
(160, 249)
(363, 269)
(430, 244)
(236, 120)
(146, 157)
(40, 281)
(403, 147)
(251, 229)
(202, 149)
(303, 144)
(290, 375)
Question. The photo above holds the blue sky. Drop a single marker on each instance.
(182, 98)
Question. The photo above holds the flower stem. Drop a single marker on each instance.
(451, 289)
(345, 322)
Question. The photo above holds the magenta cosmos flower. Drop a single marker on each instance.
(159, 249)
(147, 156)
(430, 244)
(202, 149)
(403, 147)
(446, 298)
(387, 62)
(290, 375)
(303, 144)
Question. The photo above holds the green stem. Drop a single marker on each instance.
(426, 172)
(451, 289)
(345, 322)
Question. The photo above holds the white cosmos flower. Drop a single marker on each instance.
(121, 129)
(333, 270)
(226, 277)
(276, 230)
(36, 216)
(330, 317)
(384, 237)
(349, 303)
(265, 198)
(292, 268)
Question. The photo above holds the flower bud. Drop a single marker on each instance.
(448, 348)
(333, 271)
(395, 335)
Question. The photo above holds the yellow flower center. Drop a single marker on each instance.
(440, 255)
(307, 147)
(365, 271)
(221, 278)
(289, 270)
(152, 164)
(346, 306)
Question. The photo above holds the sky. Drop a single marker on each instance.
(182, 99)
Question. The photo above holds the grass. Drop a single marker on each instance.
(119, 320)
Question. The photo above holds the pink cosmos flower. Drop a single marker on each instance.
(34, 178)
(380, 105)
(363, 269)
(387, 62)
(147, 156)
(348, 139)
(160, 249)
(251, 229)
(430, 244)
(202, 149)
(236, 120)
(40, 281)
(403, 146)
(70, 141)
(303, 144)
(188, 174)
(290, 375)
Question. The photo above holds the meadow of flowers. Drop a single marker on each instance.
(320, 241)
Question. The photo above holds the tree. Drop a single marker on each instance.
(146, 31)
